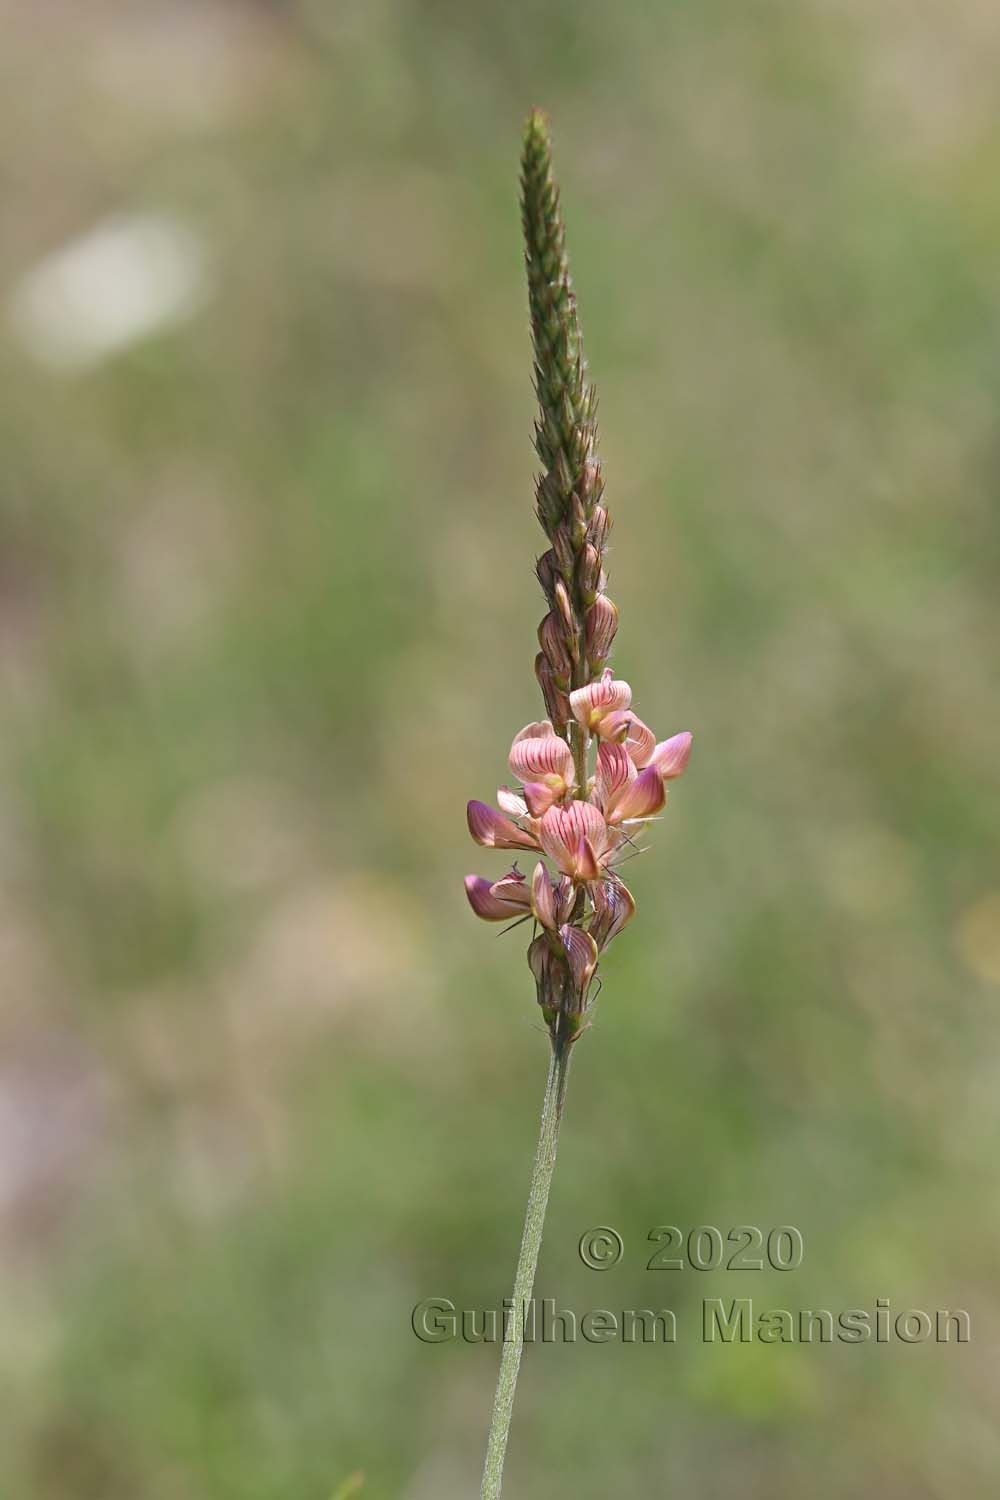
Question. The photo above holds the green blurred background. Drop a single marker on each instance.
(267, 621)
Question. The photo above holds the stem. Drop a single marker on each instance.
(527, 1260)
(578, 743)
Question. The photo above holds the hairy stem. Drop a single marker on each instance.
(527, 1260)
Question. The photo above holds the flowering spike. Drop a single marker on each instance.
(577, 816)
(572, 805)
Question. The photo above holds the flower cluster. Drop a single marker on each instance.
(584, 822)
(585, 830)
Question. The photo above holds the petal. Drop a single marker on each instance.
(581, 953)
(538, 730)
(565, 898)
(485, 903)
(640, 742)
(539, 797)
(615, 769)
(587, 867)
(511, 802)
(543, 897)
(537, 757)
(671, 756)
(614, 906)
(614, 726)
(642, 799)
(591, 703)
(514, 888)
(491, 829)
(562, 828)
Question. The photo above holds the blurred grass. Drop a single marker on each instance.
(266, 621)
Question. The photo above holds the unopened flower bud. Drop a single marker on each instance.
(602, 623)
(600, 525)
(547, 570)
(590, 483)
(581, 955)
(562, 546)
(565, 607)
(552, 639)
(614, 906)
(551, 973)
(556, 701)
(588, 572)
(577, 520)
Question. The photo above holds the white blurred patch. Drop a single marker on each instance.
(132, 276)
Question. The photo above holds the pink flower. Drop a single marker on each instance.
(591, 705)
(620, 791)
(575, 836)
(542, 759)
(495, 831)
(499, 900)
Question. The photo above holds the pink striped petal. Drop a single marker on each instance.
(491, 829)
(513, 888)
(565, 898)
(539, 729)
(581, 954)
(615, 769)
(640, 742)
(614, 906)
(543, 897)
(644, 797)
(587, 867)
(562, 829)
(671, 756)
(539, 758)
(591, 703)
(485, 903)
